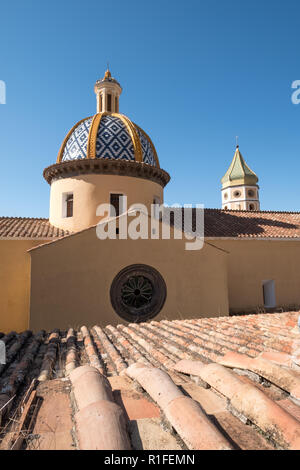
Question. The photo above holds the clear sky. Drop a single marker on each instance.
(194, 74)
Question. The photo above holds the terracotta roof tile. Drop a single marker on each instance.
(25, 227)
(253, 224)
(218, 223)
(182, 357)
(255, 405)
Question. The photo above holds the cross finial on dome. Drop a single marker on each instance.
(237, 141)
(107, 72)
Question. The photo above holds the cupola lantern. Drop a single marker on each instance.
(108, 91)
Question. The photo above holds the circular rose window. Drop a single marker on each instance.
(138, 293)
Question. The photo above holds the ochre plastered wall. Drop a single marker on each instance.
(252, 261)
(91, 190)
(15, 284)
(71, 279)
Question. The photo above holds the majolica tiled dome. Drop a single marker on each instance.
(109, 136)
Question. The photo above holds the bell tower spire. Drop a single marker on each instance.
(108, 92)
(239, 186)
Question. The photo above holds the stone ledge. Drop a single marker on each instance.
(106, 167)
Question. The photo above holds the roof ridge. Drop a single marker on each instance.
(205, 208)
(23, 218)
(245, 211)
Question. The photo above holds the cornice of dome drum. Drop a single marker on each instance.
(74, 168)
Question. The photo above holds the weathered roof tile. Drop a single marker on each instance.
(176, 353)
(25, 227)
(218, 223)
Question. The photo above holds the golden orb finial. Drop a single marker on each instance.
(107, 73)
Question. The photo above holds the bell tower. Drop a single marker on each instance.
(240, 190)
(108, 92)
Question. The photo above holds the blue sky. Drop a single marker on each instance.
(194, 74)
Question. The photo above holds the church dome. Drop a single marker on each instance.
(103, 158)
(110, 136)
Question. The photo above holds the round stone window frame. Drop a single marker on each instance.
(148, 311)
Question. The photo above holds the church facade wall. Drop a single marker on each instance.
(71, 279)
(251, 262)
(15, 284)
